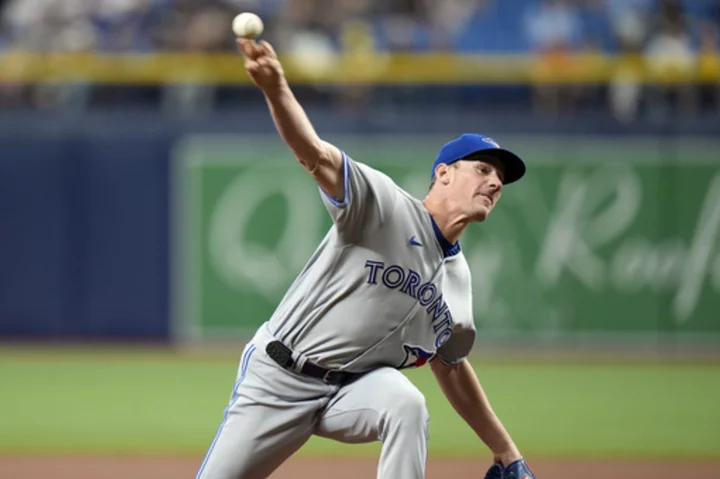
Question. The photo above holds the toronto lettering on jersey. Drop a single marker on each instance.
(409, 282)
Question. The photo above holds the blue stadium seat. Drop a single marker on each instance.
(495, 29)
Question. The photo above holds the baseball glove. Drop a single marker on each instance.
(516, 470)
(495, 472)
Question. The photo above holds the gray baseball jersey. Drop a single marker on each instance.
(383, 288)
(384, 291)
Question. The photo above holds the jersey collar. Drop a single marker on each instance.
(448, 249)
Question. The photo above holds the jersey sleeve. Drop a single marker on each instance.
(459, 294)
(369, 200)
(458, 346)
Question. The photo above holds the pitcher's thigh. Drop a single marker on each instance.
(367, 409)
(254, 439)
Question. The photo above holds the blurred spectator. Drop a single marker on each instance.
(553, 24)
(122, 25)
(11, 93)
(50, 25)
(626, 83)
(555, 31)
(709, 65)
(193, 26)
(405, 26)
(445, 19)
(630, 20)
(358, 43)
(670, 62)
(322, 38)
(589, 67)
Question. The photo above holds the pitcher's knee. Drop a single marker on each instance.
(408, 412)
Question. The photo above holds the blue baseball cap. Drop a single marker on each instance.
(469, 143)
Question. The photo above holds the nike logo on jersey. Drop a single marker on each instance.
(415, 242)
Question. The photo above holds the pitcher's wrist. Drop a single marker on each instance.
(508, 456)
(273, 91)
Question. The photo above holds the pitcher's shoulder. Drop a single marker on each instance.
(458, 266)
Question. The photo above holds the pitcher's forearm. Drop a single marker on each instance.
(464, 392)
(294, 126)
(323, 161)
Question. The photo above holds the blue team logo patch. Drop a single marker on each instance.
(415, 357)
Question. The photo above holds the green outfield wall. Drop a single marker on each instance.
(604, 238)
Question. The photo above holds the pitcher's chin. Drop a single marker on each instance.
(481, 214)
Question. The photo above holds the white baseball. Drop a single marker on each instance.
(247, 25)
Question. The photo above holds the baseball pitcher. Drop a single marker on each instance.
(387, 289)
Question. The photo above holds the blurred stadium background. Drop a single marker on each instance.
(151, 219)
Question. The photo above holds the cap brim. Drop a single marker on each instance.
(513, 165)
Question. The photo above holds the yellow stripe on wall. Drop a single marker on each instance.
(361, 68)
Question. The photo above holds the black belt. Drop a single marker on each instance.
(282, 355)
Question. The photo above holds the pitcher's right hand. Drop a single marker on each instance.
(262, 64)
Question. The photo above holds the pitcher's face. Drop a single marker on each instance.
(476, 185)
